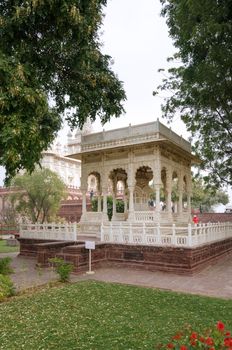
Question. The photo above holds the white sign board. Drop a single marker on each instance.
(89, 245)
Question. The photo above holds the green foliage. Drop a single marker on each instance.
(9, 216)
(5, 268)
(93, 315)
(119, 205)
(40, 195)
(200, 84)
(54, 55)
(63, 268)
(6, 287)
(205, 197)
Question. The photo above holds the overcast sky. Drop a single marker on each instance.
(136, 37)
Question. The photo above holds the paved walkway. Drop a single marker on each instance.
(214, 280)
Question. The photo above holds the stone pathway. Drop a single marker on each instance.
(213, 281)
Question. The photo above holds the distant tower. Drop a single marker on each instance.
(69, 136)
(76, 138)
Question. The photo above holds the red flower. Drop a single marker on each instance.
(193, 343)
(183, 347)
(220, 326)
(209, 341)
(177, 336)
(170, 346)
(202, 339)
(193, 335)
(227, 334)
(212, 348)
(228, 342)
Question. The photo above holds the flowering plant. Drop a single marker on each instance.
(211, 339)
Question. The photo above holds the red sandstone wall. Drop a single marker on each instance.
(71, 210)
(170, 259)
(215, 217)
(31, 247)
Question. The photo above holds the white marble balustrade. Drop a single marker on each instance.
(151, 234)
(51, 231)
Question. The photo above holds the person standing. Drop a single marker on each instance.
(195, 219)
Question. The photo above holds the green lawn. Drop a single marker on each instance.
(93, 315)
(5, 249)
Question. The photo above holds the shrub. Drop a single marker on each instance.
(119, 205)
(6, 287)
(63, 268)
(211, 339)
(5, 268)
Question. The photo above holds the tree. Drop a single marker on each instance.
(204, 198)
(9, 216)
(201, 85)
(39, 195)
(50, 64)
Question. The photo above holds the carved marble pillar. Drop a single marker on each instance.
(99, 209)
(180, 193)
(84, 187)
(104, 213)
(131, 186)
(114, 206)
(83, 215)
(131, 215)
(169, 192)
(83, 201)
(189, 194)
(169, 200)
(125, 204)
(157, 179)
(157, 198)
(180, 202)
(189, 202)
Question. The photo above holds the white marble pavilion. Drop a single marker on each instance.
(149, 163)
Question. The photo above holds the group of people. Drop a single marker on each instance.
(163, 205)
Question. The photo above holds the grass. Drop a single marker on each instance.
(92, 315)
(6, 249)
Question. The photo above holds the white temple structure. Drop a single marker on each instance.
(69, 170)
(149, 162)
(55, 158)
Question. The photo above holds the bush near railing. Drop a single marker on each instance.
(62, 268)
(119, 206)
(6, 285)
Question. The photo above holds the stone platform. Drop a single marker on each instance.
(154, 258)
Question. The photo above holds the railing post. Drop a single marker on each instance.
(102, 233)
(204, 233)
(144, 233)
(75, 231)
(111, 232)
(130, 234)
(158, 234)
(120, 233)
(174, 240)
(190, 235)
